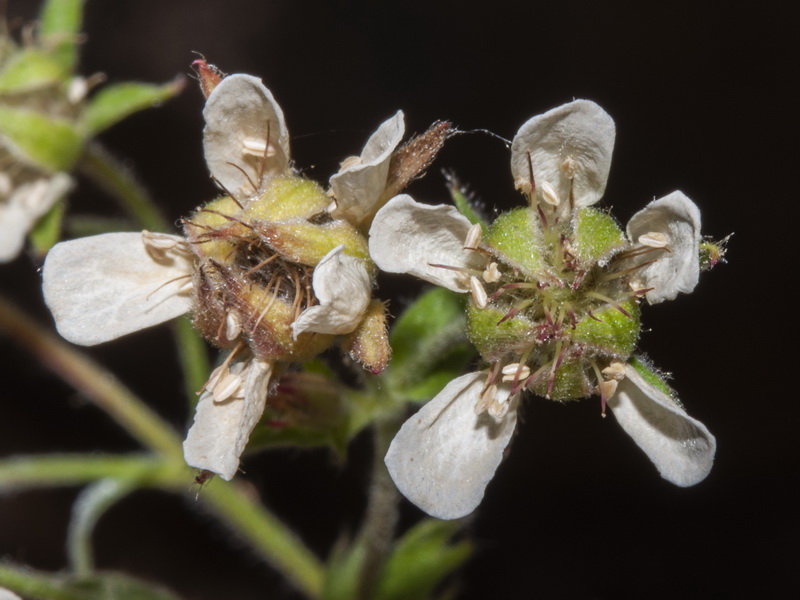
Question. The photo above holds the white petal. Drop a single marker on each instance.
(344, 289)
(102, 287)
(26, 204)
(681, 447)
(8, 594)
(221, 430)
(358, 187)
(444, 456)
(409, 237)
(239, 113)
(574, 139)
(676, 269)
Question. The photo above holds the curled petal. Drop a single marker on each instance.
(570, 150)
(102, 287)
(423, 240)
(359, 185)
(344, 289)
(681, 447)
(221, 430)
(24, 206)
(677, 267)
(444, 456)
(245, 138)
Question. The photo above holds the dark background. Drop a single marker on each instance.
(701, 94)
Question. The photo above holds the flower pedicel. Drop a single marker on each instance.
(275, 271)
(555, 290)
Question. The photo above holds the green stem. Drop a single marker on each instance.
(32, 584)
(377, 532)
(94, 382)
(118, 181)
(193, 355)
(236, 506)
(77, 469)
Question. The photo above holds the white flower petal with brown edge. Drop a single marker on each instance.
(221, 430)
(344, 289)
(26, 204)
(571, 142)
(444, 456)
(102, 287)
(423, 240)
(240, 114)
(677, 267)
(681, 447)
(358, 186)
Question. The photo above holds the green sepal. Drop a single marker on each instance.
(429, 345)
(463, 202)
(60, 24)
(610, 332)
(47, 231)
(651, 376)
(307, 243)
(30, 69)
(493, 339)
(569, 382)
(114, 103)
(52, 144)
(596, 236)
(513, 236)
(287, 198)
(421, 559)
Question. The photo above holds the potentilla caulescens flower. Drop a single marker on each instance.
(274, 271)
(47, 117)
(555, 291)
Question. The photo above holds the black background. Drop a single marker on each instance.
(702, 95)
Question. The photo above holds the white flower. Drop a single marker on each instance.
(102, 287)
(548, 286)
(22, 204)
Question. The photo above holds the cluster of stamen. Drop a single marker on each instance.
(551, 310)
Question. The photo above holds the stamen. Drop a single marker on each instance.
(250, 181)
(616, 371)
(226, 387)
(515, 371)
(549, 194)
(261, 264)
(486, 399)
(473, 237)
(653, 239)
(478, 293)
(608, 300)
(233, 326)
(491, 274)
(257, 147)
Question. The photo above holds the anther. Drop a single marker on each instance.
(473, 237)
(615, 371)
(491, 274)
(478, 293)
(486, 399)
(233, 326)
(549, 194)
(653, 239)
(515, 372)
(257, 147)
(226, 387)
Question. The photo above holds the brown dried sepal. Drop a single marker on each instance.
(369, 343)
(410, 161)
(208, 76)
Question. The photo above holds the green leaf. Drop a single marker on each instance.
(52, 144)
(422, 558)
(114, 103)
(429, 345)
(30, 69)
(60, 25)
(47, 230)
